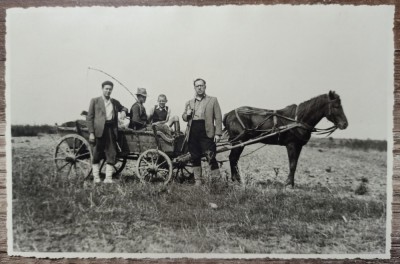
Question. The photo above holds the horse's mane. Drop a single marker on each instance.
(317, 102)
(304, 108)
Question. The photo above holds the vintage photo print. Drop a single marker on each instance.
(248, 131)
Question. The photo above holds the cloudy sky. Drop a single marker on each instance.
(262, 56)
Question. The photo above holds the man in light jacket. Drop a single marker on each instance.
(204, 129)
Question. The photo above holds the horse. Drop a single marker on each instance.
(291, 127)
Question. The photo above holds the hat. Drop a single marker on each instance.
(141, 91)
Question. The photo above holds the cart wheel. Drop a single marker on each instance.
(73, 157)
(154, 166)
(118, 166)
(183, 173)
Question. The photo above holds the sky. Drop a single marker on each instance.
(261, 56)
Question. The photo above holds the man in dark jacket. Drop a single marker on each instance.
(138, 114)
(102, 122)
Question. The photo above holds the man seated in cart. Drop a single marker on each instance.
(137, 115)
(160, 116)
(102, 123)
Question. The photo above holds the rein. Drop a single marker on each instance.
(265, 133)
(273, 114)
(323, 131)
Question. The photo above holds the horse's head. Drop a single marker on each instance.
(335, 112)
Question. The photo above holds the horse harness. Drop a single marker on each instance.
(270, 114)
(295, 123)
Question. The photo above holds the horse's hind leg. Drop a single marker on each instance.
(233, 160)
(293, 151)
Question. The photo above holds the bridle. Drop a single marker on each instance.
(329, 115)
(328, 131)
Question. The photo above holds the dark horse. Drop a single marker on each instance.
(291, 127)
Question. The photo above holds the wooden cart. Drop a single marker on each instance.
(153, 151)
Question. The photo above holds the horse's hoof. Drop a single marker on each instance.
(235, 178)
(289, 182)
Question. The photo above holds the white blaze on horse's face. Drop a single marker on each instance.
(107, 90)
(200, 87)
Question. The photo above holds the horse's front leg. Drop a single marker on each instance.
(293, 151)
(233, 160)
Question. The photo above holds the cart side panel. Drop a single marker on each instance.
(136, 142)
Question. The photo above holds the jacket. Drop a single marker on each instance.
(212, 116)
(138, 116)
(97, 116)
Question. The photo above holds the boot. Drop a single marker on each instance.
(197, 175)
(109, 173)
(96, 173)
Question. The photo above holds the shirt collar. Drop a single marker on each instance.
(105, 100)
(198, 98)
(159, 108)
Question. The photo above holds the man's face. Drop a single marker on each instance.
(199, 87)
(162, 101)
(142, 98)
(107, 90)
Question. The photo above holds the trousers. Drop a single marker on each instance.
(105, 145)
(201, 145)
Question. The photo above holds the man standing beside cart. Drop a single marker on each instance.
(204, 129)
(102, 122)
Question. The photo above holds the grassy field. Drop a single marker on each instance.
(337, 206)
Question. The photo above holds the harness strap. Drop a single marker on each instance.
(295, 115)
(239, 119)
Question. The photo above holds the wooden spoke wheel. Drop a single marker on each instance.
(73, 157)
(118, 166)
(154, 166)
(183, 173)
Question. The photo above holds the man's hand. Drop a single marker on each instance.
(217, 138)
(92, 138)
(189, 112)
(122, 115)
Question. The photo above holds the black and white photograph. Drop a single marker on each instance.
(247, 131)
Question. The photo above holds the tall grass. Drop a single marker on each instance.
(56, 214)
(53, 214)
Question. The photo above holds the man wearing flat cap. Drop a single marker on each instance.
(102, 122)
(138, 114)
